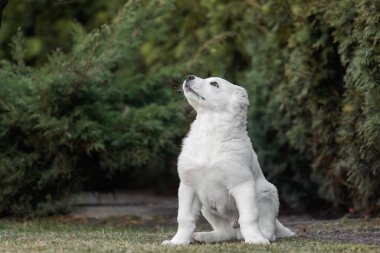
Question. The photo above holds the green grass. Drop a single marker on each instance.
(52, 235)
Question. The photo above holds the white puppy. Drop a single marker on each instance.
(219, 171)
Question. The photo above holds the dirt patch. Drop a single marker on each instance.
(366, 231)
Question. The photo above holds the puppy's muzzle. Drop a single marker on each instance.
(190, 77)
(188, 80)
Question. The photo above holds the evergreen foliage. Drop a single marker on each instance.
(46, 23)
(104, 108)
(319, 62)
(78, 120)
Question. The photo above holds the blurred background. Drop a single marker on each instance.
(90, 96)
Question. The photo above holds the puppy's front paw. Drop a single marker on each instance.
(174, 242)
(257, 241)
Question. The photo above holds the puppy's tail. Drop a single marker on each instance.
(282, 231)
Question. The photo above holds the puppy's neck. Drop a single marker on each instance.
(219, 122)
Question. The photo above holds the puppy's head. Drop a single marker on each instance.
(216, 95)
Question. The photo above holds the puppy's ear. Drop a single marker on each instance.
(240, 104)
(241, 101)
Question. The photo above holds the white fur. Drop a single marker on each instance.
(219, 171)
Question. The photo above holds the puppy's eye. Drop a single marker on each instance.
(215, 84)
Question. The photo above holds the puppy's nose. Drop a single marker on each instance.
(190, 77)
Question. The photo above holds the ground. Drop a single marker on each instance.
(134, 234)
(139, 222)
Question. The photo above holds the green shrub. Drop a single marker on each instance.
(86, 116)
(318, 64)
(104, 109)
(46, 24)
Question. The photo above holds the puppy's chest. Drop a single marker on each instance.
(201, 151)
(212, 188)
(201, 165)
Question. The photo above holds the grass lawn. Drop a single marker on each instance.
(57, 235)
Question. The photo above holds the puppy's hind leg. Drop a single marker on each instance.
(268, 204)
(223, 230)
